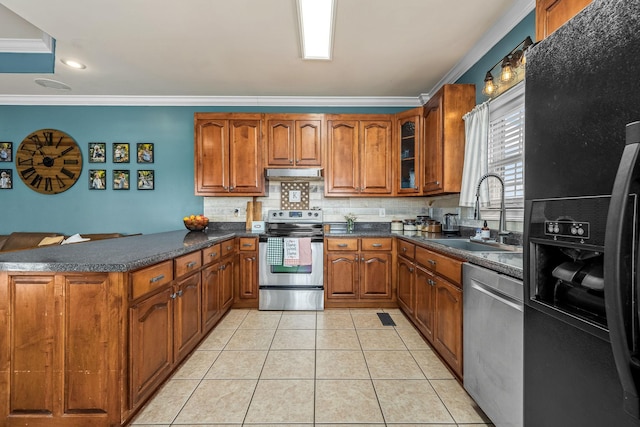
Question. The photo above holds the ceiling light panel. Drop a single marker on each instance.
(316, 18)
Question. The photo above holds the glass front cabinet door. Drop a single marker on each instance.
(408, 151)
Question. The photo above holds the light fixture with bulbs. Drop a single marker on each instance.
(511, 70)
(316, 18)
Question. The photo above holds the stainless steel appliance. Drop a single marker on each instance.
(492, 341)
(298, 287)
(581, 329)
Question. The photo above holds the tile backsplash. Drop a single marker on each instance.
(366, 209)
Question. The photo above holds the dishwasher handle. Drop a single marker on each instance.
(497, 295)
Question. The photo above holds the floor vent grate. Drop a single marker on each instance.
(386, 319)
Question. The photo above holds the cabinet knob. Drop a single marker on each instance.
(225, 188)
(377, 245)
(342, 245)
(212, 254)
(179, 293)
(231, 188)
(431, 282)
(297, 160)
(172, 296)
(432, 262)
(356, 258)
(290, 161)
(191, 264)
(411, 269)
(404, 249)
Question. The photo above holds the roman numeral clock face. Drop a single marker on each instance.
(49, 161)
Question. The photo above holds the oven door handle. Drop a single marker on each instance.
(617, 263)
(290, 287)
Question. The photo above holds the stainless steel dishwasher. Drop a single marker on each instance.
(493, 343)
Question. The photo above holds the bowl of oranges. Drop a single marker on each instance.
(196, 222)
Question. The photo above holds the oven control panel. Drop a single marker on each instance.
(299, 215)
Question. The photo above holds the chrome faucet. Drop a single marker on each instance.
(502, 227)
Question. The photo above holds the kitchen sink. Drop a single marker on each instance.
(467, 245)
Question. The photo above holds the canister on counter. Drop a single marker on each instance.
(396, 225)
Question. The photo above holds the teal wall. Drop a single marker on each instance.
(476, 74)
(80, 210)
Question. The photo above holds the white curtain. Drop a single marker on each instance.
(476, 127)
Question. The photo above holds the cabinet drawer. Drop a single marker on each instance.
(376, 244)
(211, 254)
(342, 244)
(151, 278)
(227, 247)
(406, 249)
(188, 263)
(441, 264)
(248, 244)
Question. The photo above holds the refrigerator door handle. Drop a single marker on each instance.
(627, 363)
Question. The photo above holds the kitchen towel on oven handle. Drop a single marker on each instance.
(291, 252)
(274, 250)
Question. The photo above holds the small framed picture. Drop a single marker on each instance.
(97, 179)
(6, 183)
(97, 152)
(145, 179)
(6, 151)
(120, 152)
(145, 152)
(121, 179)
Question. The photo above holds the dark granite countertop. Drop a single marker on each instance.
(121, 254)
(509, 263)
(134, 252)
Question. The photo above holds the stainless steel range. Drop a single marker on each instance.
(291, 270)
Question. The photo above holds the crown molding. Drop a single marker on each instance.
(509, 20)
(41, 45)
(212, 101)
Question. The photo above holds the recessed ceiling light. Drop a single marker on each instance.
(52, 84)
(73, 64)
(316, 27)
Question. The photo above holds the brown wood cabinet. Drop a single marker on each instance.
(552, 14)
(79, 349)
(407, 152)
(246, 295)
(358, 272)
(359, 155)
(59, 349)
(228, 154)
(210, 276)
(443, 142)
(430, 294)
(294, 140)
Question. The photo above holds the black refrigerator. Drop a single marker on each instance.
(582, 180)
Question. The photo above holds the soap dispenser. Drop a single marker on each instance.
(485, 233)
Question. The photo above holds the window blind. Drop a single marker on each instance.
(506, 147)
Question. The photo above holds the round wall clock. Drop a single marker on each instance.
(49, 161)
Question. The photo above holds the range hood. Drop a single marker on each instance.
(314, 174)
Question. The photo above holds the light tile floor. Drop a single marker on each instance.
(338, 367)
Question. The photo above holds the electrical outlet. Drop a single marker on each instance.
(381, 212)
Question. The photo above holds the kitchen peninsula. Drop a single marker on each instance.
(91, 330)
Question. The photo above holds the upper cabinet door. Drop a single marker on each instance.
(444, 139)
(211, 156)
(294, 140)
(308, 143)
(375, 157)
(228, 154)
(552, 14)
(280, 142)
(407, 147)
(245, 157)
(342, 165)
(433, 145)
